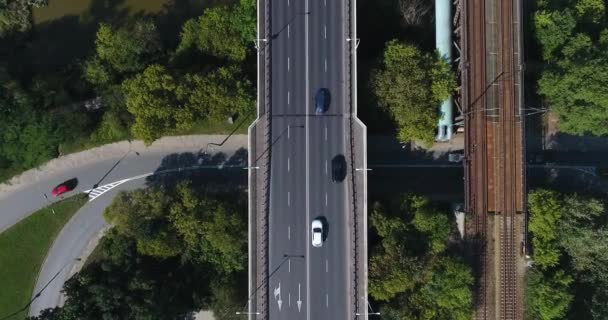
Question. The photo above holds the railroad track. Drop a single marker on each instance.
(476, 136)
(493, 175)
(508, 196)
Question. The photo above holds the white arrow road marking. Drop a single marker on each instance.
(277, 296)
(299, 299)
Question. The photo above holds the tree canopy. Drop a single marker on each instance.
(168, 223)
(161, 102)
(15, 15)
(547, 296)
(409, 270)
(569, 232)
(224, 32)
(410, 84)
(122, 50)
(574, 39)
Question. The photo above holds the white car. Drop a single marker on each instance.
(317, 233)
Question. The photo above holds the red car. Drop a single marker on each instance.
(64, 187)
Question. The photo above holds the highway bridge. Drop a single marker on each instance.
(303, 46)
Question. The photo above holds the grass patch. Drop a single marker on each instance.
(23, 249)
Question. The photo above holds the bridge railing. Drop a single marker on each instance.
(357, 153)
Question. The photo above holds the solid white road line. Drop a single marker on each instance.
(307, 90)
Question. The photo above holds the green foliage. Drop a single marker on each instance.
(417, 284)
(160, 103)
(410, 85)
(167, 223)
(15, 15)
(391, 273)
(228, 296)
(547, 296)
(553, 29)
(577, 66)
(432, 223)
(151, 99)
(545, 213)
(121, 51)
(574, 230)
(217, 95)
(225, 32)
(126, 49)
(142, 215)
(447, 295)
(26, 137)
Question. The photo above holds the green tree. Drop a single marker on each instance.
(124, 50)
(177, 222)
(15, 15)
(212, 232)
(391, 273)
(447, 295)
(27, 138)
(225, 32)
(151, 99)
(545, 214)
(142, 215)
(581, 237)
(574, 39)
(434, 224)
(391, 270)
(410, 84)
(547, 296)
(217, 95)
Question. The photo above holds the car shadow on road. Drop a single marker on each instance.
(217, 172)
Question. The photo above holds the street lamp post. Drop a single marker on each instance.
(369, 306)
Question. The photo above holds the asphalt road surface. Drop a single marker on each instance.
(308, 51)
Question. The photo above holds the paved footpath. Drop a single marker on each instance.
(25, 194)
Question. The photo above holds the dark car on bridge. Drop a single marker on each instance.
(338, 168)
(322, 99)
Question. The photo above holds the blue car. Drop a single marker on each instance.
(322, 99)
